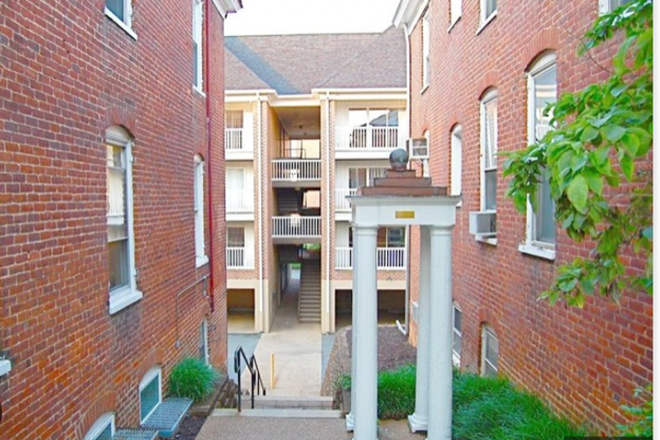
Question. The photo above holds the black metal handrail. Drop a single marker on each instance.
(255, 375)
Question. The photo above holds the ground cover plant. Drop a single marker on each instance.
(193, 379)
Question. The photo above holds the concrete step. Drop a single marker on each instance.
(300, 402)
(290, 413)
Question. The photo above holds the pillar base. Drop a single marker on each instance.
(418, 424)
(349, 422)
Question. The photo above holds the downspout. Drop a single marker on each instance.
(260, 218)
(207, 87)
(327, 204)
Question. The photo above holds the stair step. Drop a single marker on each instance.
(301, 402)
(280, 413)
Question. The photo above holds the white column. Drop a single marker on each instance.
(354, 315)
(419, 420)
(365, 410)
(440, 365)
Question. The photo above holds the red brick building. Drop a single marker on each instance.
(111, 147)
(479, 73)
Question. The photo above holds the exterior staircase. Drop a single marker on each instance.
(287, 201)
(309, 298)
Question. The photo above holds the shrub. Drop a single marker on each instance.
(396, 393)
(193, 379)
(642, 426)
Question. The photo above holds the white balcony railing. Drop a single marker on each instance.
(386, 258)
(368, 138)
(296, 226)
(239, 258)
(234, 139)
(341, 202)
(296, 169)
(239, 200)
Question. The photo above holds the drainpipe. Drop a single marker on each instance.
(207, 87)
(327, 204)
(406, 326)
(260, 218)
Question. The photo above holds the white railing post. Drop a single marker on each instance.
(341, 202)
(234, 139)
(296, 169)
(391, 258)
(344, 258)
(296, 226)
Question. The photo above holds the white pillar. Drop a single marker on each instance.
(419, 420)
(440, 363)
(365, 410)
(354, 313)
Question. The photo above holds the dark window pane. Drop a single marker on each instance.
(457, 344)
(457, 319)
(491, 6)
(106, 434)
(195, 64)
(116, 7)
(149, 398)
(118, 256)
(490, 189)
(545, 217)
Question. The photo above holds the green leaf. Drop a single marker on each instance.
(594, 181)
(627, 166)
(613, 132)
(589, 134)
(577, 192)
(631, 143)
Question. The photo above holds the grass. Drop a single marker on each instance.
(193, 379)
(485, 409)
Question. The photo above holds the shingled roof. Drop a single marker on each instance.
(296, 64)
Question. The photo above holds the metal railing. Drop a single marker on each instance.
(239, 258)
(255, 375)
(296, 169)
(296, 226)
(234, 139)
(368, 138)
(239, 200)
(386, 258)
(341, 202)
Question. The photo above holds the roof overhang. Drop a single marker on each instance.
(380, 94)
(227, 6)
(408, 13)
(248, 95)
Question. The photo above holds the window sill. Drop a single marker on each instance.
(201, 261)
(122, 298)
(487, 240)
(547, 253)
(199, 91)
(451, 26)
(486, 22)
(424, 89)
(126, 28)
(5, 367)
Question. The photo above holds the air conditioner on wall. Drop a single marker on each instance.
(483, 224)
(418, 148)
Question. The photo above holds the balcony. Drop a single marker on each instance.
(342, 205)
(238, 144)
(239, 258)
(239, 204)
(367, 142)
(296, 229)
(296, 172)
(386, 258)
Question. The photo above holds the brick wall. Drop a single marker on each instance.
(584, 363)
(68, 73)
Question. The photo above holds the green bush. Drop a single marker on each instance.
(642, 426)
(396, 393)
(193, 379)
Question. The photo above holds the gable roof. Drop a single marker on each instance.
(296, 64)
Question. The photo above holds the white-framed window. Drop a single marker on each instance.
(488, 11)
(542, 90)
(359, 177)
(426, 50)
(490, 349)
(198, 65)
(200, 247)
(456, 9)
(607, 6)
(456, 160)
(151, 392)
(457, 322)
(103, 428)
(204, 341)
(122, 282)
(121, 12)
(489, 151)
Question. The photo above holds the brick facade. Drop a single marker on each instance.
(584, 363)
(67, 74)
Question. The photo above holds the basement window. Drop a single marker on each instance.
(150, 393)
(103, 428)
(490, 351)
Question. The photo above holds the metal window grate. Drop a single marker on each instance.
(135, 434)
(168, 416)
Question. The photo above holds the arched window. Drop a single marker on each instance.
(151, 392)
(489, 151)
(200, 246)
(457, 324)
(103, 428)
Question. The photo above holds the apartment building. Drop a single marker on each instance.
(111, 153)
(309, 118)
(480, 74)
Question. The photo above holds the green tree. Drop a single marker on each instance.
(597, 157)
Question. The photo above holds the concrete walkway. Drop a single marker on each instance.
(297, 349)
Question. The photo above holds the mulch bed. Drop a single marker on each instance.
(394, 351)
(190, 427)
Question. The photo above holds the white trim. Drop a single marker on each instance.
(153, 373)
(455, 12)
(426, 50)
(408, 13)
(486, 22)
(487, 330)
(126, 27)
(102, 423)
(200, 238)
(456, 357)
(122, 298)
(204, 339)
(456, 169)
(486, 239)
(199, 91)
(537, 250)
(198, 39)
(491, 97)
(226, 6)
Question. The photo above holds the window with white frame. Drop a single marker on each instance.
(456, 10)
(359, 177)
(489, 151)
(388, 237)
(488, 10)
(458, 335)
(490, 350)
(542, 90)
(200, 247)
(204, 341)
(236, 246)
(120, 11)
(151, 392)
(456, 160)
(122, 283)
(103, 428)
(607, 6)
(426, 50)
(198, 20)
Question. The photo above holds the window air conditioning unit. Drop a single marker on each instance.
(482, 223)
(418, 148)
